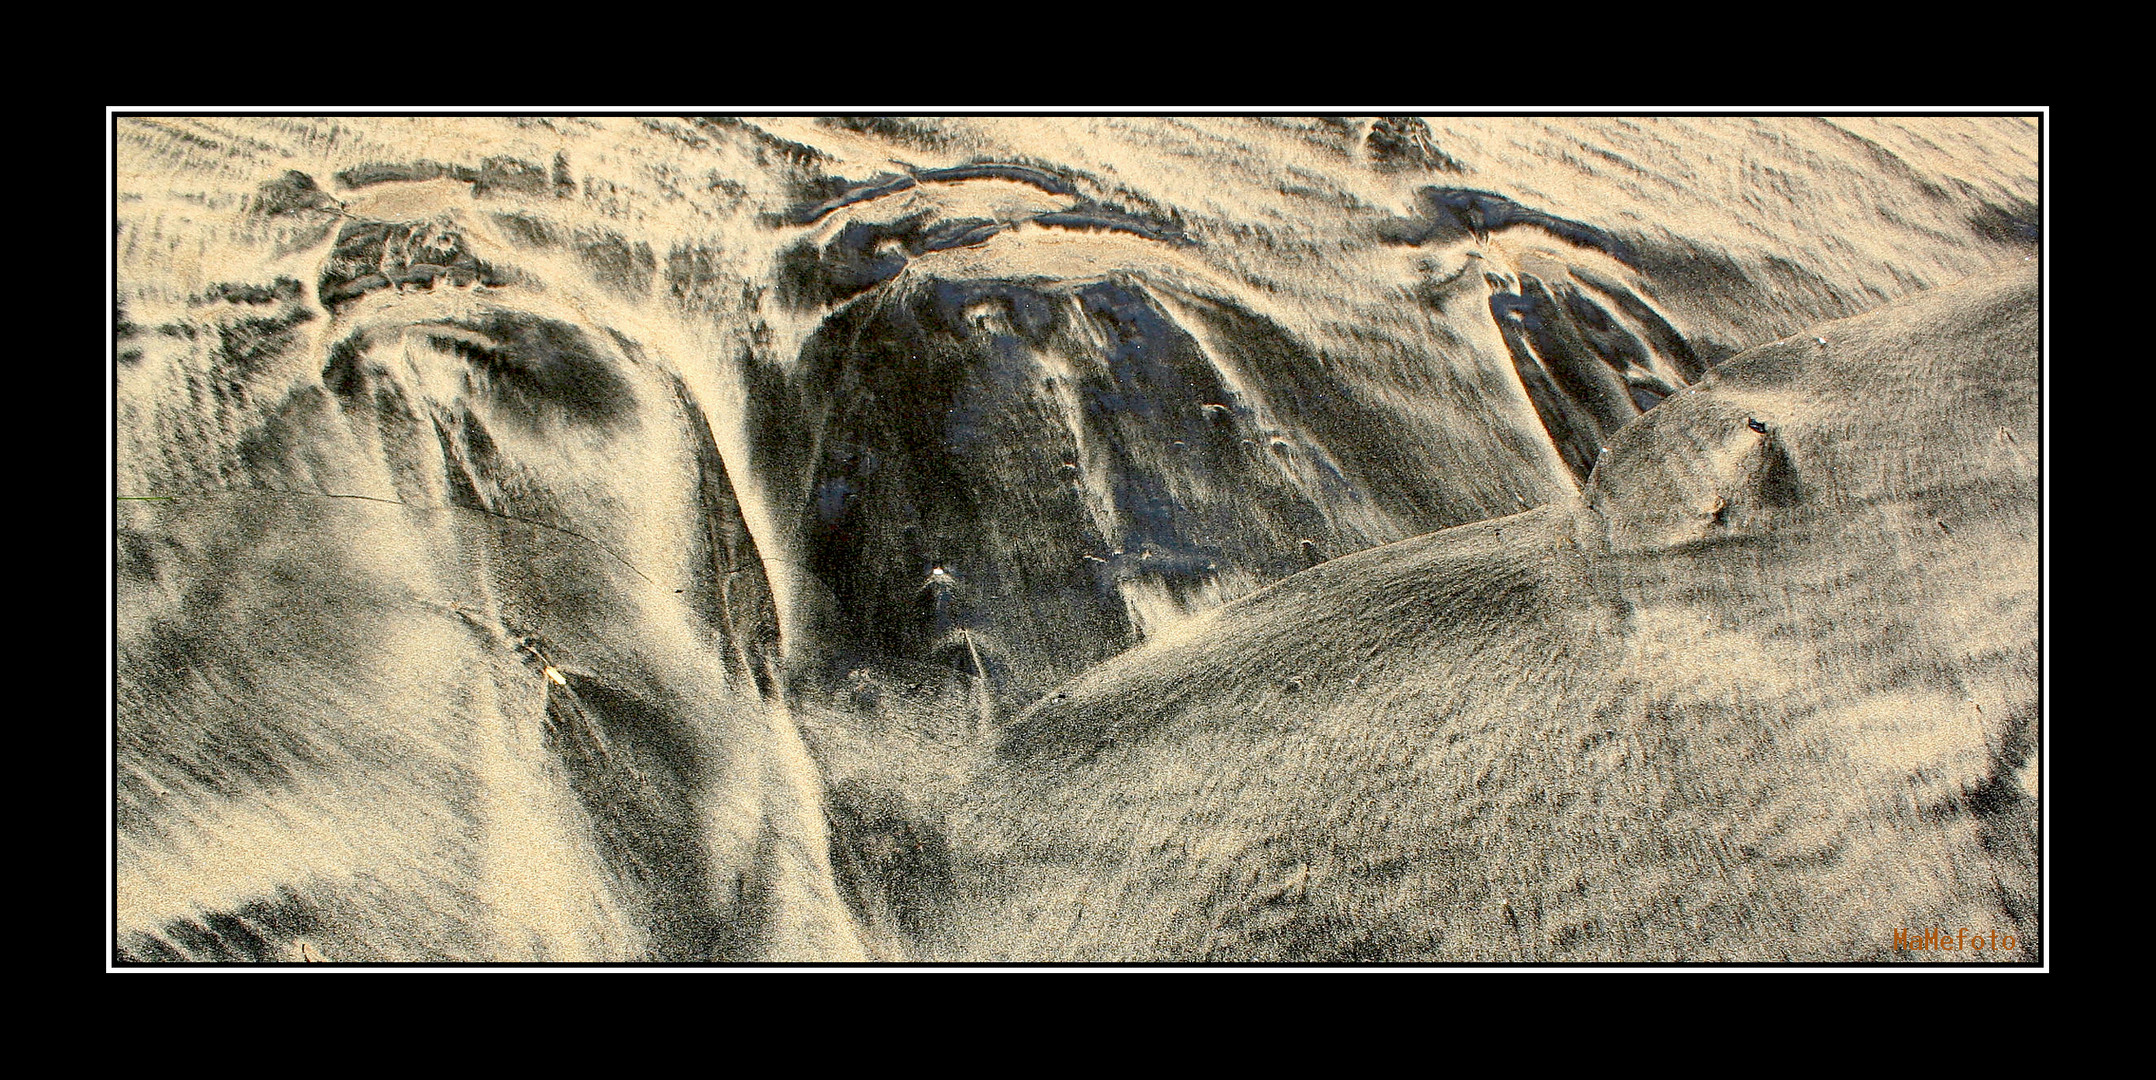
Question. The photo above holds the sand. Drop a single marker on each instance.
(624, 539)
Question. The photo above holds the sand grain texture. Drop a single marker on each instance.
(720, 539)
(1756, 695)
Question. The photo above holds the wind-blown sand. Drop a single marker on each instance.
(716, 539)
(1757, 695)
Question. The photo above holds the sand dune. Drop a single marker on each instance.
(1768, 687)
(713, 539)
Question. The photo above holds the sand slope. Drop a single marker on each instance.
(1766, 692)
(625, 538)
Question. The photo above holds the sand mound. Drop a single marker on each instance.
(1767, 692)
(626, 538)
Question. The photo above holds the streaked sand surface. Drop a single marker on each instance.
(617, 538)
